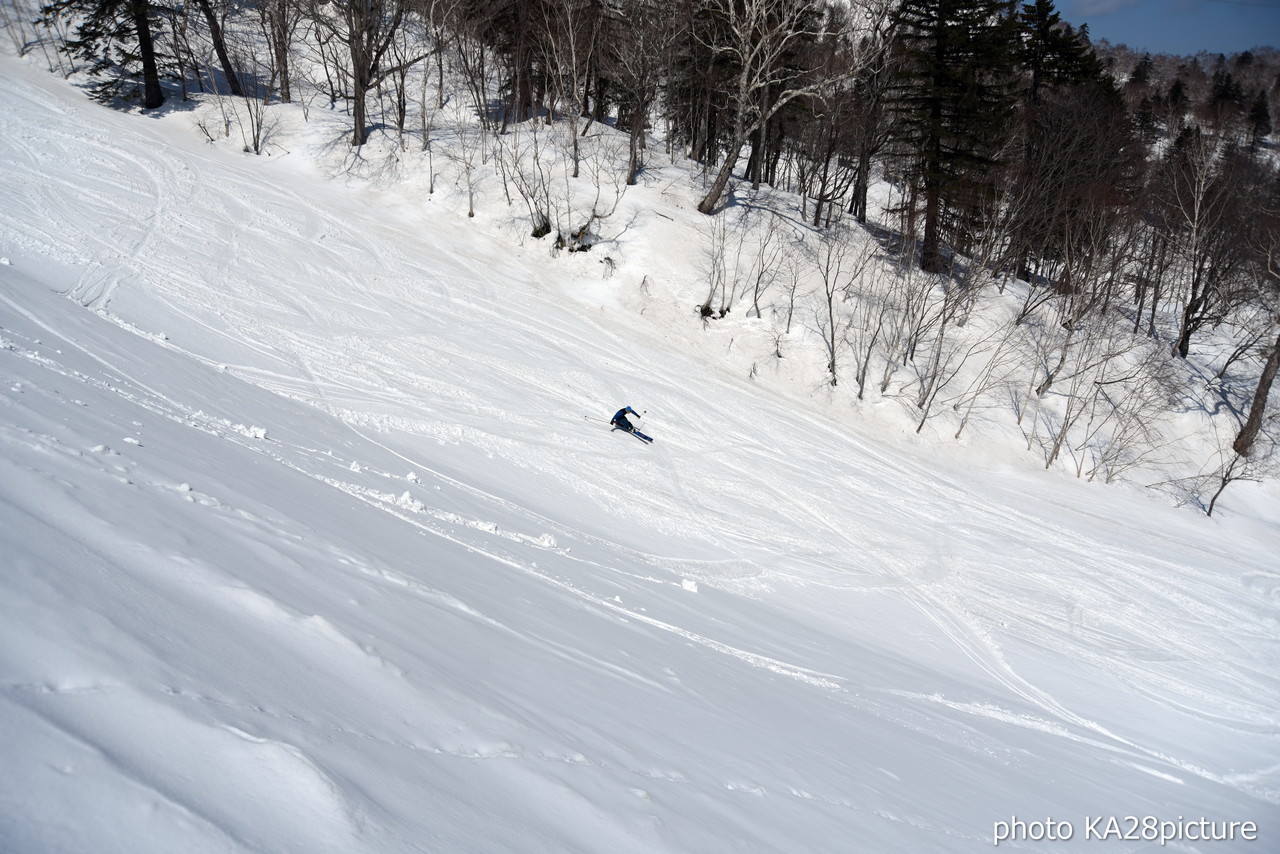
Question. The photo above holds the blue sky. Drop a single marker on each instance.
(1181, 27)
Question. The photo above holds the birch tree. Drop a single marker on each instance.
(757, 37)
(1269, 291)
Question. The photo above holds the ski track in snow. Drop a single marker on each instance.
(414, 357)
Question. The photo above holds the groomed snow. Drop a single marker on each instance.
(308, 544)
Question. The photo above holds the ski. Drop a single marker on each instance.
(642, 437)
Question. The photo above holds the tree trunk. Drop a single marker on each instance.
(281, 47)
(152, 94)
(220, 48)
(712, 198)
(760, 153)
(1244, 442)
(635, 124)
(359, 100)
(861, 184)
(1190, 324)
(930, 250)
(360, 81)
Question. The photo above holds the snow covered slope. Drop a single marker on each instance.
(308, 544)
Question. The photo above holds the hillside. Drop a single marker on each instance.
(310, 543)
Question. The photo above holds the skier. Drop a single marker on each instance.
(620, 419)
(620, 422)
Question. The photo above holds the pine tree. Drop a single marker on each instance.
(1051, 53)
(1074, 143)
(115, 37)
(954, 101)
(1175, 104)
(1226, 98)
(1259, 120)
(1141, 75)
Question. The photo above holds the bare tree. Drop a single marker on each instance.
(465, 154)
(1208, 184)
(946, 357)
(910, 294)
(279, 21)
(1111, 392)
(579, 207)
(1243, 444)
(756, 38)
(877, 29)
(1153, 265)
(715, 231)
(839, 262)
(1232, 469)
(825, 170)
(744, 253)
(214, 21)
(532, 159)
(765, 269)
(868, 318)
(472, 56)
(523, 155)
(569, 29)
(832, 253)
(792, 273)
(1128, 399)
(639, 35)
(428, 108)
(15, 16)
(1226, 467)
(368, 28)
(1002, 364)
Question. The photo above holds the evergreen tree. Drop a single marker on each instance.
(1259, 120)
(1081, 169)
(1077, 142)
(1175, 104)
(1144, 119)
(115, 37)
(954, 101)
(1051, 53)
(1226, 98)
(697, 81)
(1141, 75)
